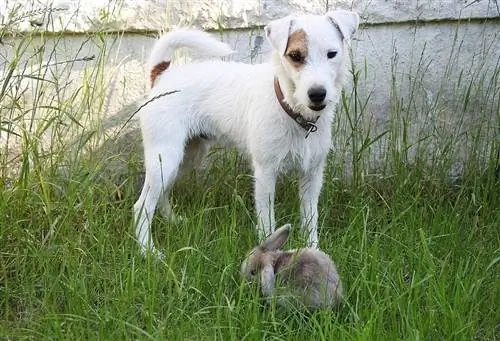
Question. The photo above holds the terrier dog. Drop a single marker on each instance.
(279, 114)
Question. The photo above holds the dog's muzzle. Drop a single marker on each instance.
(317, 97)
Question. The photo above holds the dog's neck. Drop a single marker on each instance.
(309, 126)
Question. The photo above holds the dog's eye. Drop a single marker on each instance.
(296, 57)
(331, 54)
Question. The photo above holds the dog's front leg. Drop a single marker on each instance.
(309, 190)
(265, 182)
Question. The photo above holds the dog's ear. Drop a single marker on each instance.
(277, 32)
(346, 21)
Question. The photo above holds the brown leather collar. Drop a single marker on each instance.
(309, 126)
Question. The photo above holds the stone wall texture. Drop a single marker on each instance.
(127, 15)
(421, 55)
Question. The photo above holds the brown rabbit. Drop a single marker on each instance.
(304, 277)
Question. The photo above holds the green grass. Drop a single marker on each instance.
(417, 261)
(418, 251)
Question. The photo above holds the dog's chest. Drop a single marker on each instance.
(304, 154)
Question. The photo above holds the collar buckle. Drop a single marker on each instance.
(312, 128)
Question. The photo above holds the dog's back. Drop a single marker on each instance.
(199, 44)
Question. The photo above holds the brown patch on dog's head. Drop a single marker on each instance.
(157, 70)
(296, 51)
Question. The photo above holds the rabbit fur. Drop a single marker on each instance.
(303, 278)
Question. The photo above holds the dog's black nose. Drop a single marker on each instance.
(317, 94)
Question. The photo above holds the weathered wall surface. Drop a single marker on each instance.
(127, 15)
(420, 54)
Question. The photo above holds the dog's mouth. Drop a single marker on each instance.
(318, 107)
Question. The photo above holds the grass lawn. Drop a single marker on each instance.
(418, 260)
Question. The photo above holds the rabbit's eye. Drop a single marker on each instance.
(253, 272)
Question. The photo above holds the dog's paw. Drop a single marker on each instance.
(152, 252)
(170, 216)
(178, 219)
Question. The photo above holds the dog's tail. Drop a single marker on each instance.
(197, 42)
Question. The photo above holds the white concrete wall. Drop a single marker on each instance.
(430, 49)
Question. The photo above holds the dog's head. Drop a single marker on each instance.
(311, 51)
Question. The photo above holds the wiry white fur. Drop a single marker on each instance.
(235, 104)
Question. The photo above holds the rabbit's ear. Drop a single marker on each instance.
(267, 280)
(276, 240)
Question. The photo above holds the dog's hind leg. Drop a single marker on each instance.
(162, 164)
(143, 213)
(195, 152)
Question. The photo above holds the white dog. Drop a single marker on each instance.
(279, 114)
